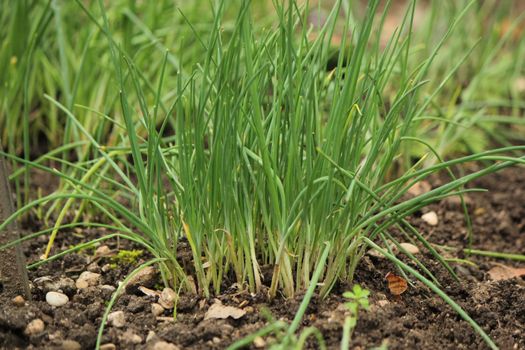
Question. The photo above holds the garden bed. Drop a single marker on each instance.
(417, 319)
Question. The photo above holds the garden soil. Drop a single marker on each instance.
(417, 319)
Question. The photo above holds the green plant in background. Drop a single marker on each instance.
(358, 300)
(481, 105)
(244, 145)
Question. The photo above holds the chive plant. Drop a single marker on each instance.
(66, 56)
(256, 154)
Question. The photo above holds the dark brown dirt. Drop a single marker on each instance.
(418, 319)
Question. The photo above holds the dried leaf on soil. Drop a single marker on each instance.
(218, 310)
(149, 292)
(397, 285)
(501, 272)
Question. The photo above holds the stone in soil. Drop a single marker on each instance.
(146, 278)
(117, 319)
(35, 327)
(412, 249)
(162, 345)
(56, 299)
(167, 298)
(87, 279)
(430, 218)
(418, 320)
(70, 345)
(103, 250)
(128, 337)
(108, 346)
(157, 309)
(18, 301)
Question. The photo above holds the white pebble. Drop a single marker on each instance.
(430, 218)
(56, 299)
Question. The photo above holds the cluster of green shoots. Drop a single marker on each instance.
(257, 154)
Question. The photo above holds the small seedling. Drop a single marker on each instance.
(358, 299)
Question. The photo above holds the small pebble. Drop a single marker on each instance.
(71, 345)
(419, 188)
(66, 285)
(117, 319)
(430, 218)
(93, 267)
(108, 288)
(150, 336)
(135, 338)
(412, 249)
(130, 337)
(108, 346)
(102, 250)
(157, 309)
(55, 335)
(382, 303)
(19, 301)
(167, 298)
(259, 343)
(87, 279)
(34, 327)
(162, 345)
(56, 299)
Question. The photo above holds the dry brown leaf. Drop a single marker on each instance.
(397, 285)
(501, 272)
(220, 311)
(148, 292)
